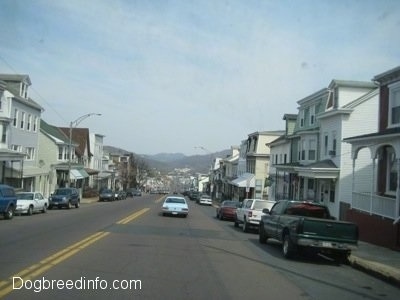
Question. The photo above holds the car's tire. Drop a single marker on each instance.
(245, 226)
(9, 213)
(30, 210)
(236, 222)
(77, 204)
(44, 210)
(262, 235)
(69, 205)
(221, 217)
(288, 248)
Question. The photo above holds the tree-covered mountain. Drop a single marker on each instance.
(167, 162)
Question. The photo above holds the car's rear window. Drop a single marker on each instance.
(63, 192)
(175, 200)
(230, 204)
(25, 196)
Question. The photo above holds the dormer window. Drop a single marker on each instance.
(302, 118)
(24, 90)
(394, 104)
(330, 103)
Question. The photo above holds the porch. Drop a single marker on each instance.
(375, 204)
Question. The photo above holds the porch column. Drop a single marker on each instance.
(372, 184)
(397, 206)
(353, 182)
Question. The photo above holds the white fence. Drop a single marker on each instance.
(374, 204)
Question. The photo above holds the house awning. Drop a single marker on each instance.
(78, 174)
(245, 180)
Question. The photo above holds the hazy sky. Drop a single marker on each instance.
(168, 76)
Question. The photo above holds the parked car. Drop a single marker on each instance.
(120, 195)
(205, 199)
(8, 201)
(174, 205)
(250, 211)
(135, 192)
(227, 209)
(107, 195)
(65, 197)
(31, 202)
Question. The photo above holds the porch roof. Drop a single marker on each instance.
(380, 135)
(245, 180)
(321, 169)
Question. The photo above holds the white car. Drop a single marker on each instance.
(205, 199)
(174, 205)
(30, 202)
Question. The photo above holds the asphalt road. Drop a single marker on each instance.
(127, 250)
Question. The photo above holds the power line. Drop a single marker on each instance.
(34, 90)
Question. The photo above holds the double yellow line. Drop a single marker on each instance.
(46, 264)
(6, 286)
(133, 216)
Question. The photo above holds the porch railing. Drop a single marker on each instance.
(374, 204)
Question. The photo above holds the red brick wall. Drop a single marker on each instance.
(375, 229)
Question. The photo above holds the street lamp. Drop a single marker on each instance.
(72, 125)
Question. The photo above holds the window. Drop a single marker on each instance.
(312, 150)
(30, 151)
(326, 144)
(285, 158)
(303, 150)
(16, 148)
(3, 132)
(302, 118)
(15, 120)
(60, 152)
(35, 120)
(28, 124)
(312, 115)
(394, 104)
(22, 121)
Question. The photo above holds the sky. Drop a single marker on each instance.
(191, 77)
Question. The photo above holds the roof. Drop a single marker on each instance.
(53, 132)
(81, 137)
(19, 78)
(352, 83)
(388, 76)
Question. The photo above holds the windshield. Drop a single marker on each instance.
(25, 196)
(62, 192)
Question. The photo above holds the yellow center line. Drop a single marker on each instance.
(37, 269)
(133, 216)
(6, 286)
(160, 199)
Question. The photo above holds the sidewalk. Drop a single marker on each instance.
(378, 261)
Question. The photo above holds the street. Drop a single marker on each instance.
(127, 249)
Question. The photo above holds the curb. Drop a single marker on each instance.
(384, 272)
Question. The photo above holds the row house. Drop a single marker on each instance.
(310, 162)
(229, 172)
(253, 166)
(375, 201)
(34, 155)
(20, 118)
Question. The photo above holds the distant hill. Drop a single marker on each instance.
(167, 162)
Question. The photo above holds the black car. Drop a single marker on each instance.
(65, 197)
(107, 195)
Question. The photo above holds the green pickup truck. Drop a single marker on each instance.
(308, 225)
